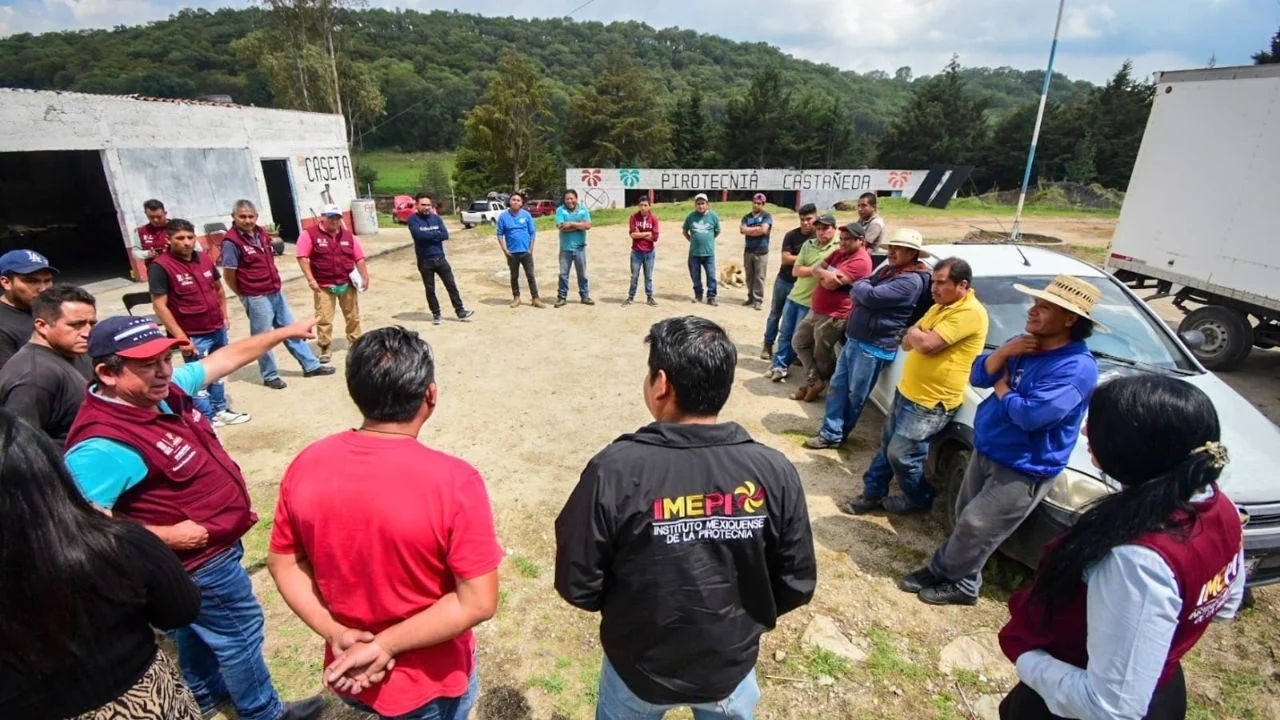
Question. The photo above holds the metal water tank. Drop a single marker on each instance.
(364, 215)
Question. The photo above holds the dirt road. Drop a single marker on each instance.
(528, 396)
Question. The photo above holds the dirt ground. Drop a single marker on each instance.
(529, 395)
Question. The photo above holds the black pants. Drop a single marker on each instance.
(514, 262)
(429, 268)
(1168, 703)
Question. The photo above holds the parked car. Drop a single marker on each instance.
(402, 207)
(1138, 342)
(538, 208)
(482, 212)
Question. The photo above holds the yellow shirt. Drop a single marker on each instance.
(941, 378)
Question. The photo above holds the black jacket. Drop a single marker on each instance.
(690, 540)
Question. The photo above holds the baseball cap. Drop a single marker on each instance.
(699, 196)
(758, 197)
(24, 261)
(855, 229)
(136, 338)
(826, 219)
(331, 210)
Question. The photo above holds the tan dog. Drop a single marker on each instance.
(731, 275)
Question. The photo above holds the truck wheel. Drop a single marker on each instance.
(466, 225)
(1228, 336)
(953, 469)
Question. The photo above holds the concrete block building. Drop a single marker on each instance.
(75, 170)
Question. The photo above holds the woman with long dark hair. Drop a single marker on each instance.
(1127, 591)
(79, 594)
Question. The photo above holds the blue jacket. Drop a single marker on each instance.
(429, 234)
(1034, 428)
(883, 302)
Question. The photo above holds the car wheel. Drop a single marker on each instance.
(1228, 336)
(954, 466)
(466, 225)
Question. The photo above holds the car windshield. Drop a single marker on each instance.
(479, 206)
(1133, 338)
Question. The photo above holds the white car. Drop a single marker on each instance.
(482, 212)
(1139, 342)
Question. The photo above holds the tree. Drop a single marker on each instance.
(755, 124)
(943, 123)
(434, 181)
(1118, 119)
(1267, 57)
(903, 74)
(1082, 167)
(504, 143)
(616, 122)
(821, 134)
(690, 132)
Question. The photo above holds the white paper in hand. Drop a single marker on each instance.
(356, 280)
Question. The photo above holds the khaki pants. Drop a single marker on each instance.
(814, 343)
(349, 301)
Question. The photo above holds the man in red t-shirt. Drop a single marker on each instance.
(644, 235)
(385, 547)
(817, 334)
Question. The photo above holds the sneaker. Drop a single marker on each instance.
(766, 352)
(862, 505)
(651, 302)
(515, 302)
(818, 442)
(465, 315)
(947, 593)
(697, 300)
(324, 358)
(276, 383)
(308, 709)
(757, 305)
(231, 417)
(814, 391)
(319, 372)
(748, 303)
(436, 319)
(538, 303)
(899, 505)
(778, 374)
(561, 302)
(712, 302)
(588, 301)
(627, 302)
(918, 580)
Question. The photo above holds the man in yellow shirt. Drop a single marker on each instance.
(941, 349)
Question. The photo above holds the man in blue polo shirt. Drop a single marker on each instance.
(573, 221)
(516, 235)
(756, 226)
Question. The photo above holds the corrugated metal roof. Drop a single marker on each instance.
(143, 98)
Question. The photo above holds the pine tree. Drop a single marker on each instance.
(942, 123)
(616, 122)
(1266, 57)
(690, 132)
(755, 127)
(1119, 118)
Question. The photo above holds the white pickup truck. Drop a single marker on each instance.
(482, 212)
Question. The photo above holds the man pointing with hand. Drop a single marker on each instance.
(141, 448)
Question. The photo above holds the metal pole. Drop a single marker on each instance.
(1035, 135)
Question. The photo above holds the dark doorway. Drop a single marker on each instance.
(58, 203)
(280, 198)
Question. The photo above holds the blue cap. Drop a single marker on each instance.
(137, 338)
(23, 262)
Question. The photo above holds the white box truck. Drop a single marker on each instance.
(1201, 220)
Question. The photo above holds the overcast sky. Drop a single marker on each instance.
(851, 34)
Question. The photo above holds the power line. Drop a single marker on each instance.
(571, 12)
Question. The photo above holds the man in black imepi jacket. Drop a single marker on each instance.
(688, 537)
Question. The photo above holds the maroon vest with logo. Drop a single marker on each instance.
(153, 238)
(333, 257)
(1205, 561)
(257, 274)
(190, 476)
(193, 294)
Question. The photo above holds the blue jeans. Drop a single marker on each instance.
(792, 313)
(697, 265)
(266, 313)
(904, 446)
(578, 260)
(221, 652)
(641, 260)
(781, 288)
(856, 374)
(213, 399)
(444, 708)
(617, 702)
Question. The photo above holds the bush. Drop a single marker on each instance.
(366, 177)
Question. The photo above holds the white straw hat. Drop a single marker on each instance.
(1069, 293)
(910, 239)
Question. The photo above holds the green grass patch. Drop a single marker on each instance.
(401, 173)
(551, 683)
(884, 663)
(822, 662)
(526, 567)
(903, 208)
(1096, 254)
(670, 215)
(590, 679)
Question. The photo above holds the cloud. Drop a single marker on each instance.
(1097, 35)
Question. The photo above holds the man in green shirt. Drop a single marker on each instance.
(701, 228)
(812, 253)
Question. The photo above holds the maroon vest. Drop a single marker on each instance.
(1205, 562)
(332, 257)
(193, 292)
(153, 238)
(190, 476)
(257, 275)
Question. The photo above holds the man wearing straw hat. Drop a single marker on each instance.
(1024, 433)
